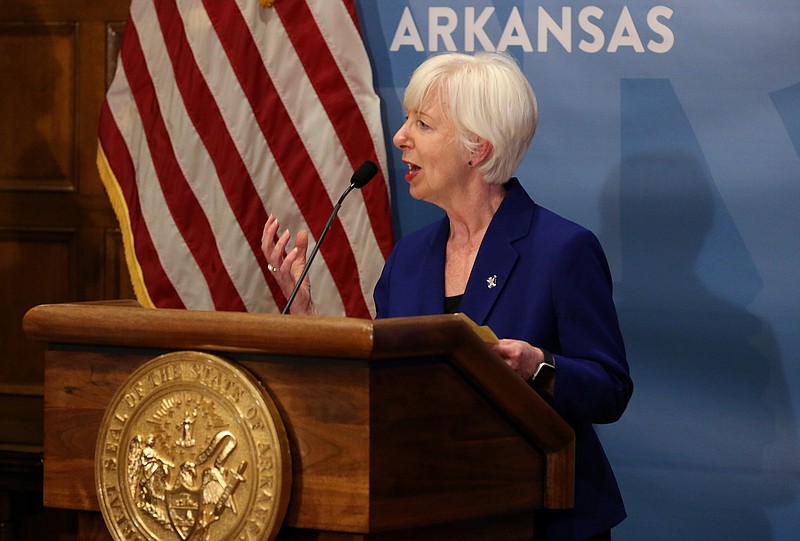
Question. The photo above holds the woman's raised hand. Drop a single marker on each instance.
(287, 266)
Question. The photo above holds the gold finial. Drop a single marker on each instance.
(266, 3)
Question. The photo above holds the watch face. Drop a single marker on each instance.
(543, 375)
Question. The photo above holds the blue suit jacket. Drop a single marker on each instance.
(553, 290)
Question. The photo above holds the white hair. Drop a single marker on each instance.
(487, 96)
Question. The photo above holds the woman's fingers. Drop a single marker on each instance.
(287, 266)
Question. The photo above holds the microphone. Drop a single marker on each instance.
(360, 178)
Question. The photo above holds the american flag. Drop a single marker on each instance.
(224, 111)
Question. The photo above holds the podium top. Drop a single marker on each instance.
(128, 324)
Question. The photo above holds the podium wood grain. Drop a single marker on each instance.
(394, 426)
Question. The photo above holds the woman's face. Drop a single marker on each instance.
(437, 162)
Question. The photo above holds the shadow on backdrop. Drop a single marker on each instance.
(709, 443)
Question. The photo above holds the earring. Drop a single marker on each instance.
(469, 163)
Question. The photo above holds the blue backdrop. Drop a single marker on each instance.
(673, 132)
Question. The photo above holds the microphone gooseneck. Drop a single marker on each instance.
(360, 178)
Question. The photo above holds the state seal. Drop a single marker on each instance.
(192, 448)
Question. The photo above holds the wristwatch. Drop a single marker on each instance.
(545, 372)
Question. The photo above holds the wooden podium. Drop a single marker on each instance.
(399, 429)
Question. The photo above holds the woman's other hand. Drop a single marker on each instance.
(522, 357)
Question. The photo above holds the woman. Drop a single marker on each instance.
(539, 281)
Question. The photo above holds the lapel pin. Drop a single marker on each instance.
(491, 281)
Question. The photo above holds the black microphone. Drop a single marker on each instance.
(360, 177)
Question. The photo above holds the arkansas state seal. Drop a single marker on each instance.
(192, 449)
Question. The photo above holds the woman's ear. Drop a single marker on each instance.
(482, 152)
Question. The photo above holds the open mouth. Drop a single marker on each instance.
(413, 169)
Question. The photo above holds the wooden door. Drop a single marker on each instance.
(59, 239)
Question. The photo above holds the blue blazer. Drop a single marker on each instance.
(545, 280)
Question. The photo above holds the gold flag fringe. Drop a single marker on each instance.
(120, 207)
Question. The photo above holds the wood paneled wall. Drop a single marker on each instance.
(59, 239)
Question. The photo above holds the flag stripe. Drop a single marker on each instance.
(270, 102)
(173, 253)
(304, 107)
(156, 280)
(206, 117)
(183, 205)
(340, 106)
(311, 120)
(288, 148)
(344, 40)
(181, 265)
(194, 162)
(253, 149)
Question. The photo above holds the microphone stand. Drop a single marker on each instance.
(316, 248)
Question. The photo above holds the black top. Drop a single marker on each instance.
(452, 304)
